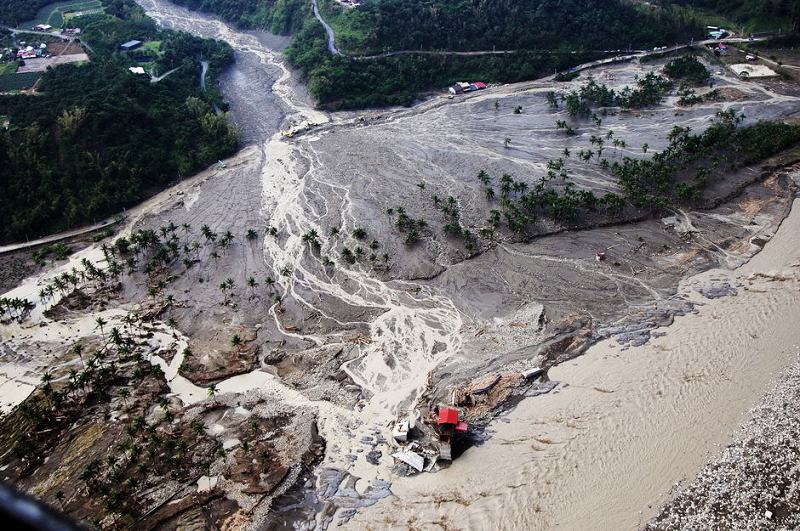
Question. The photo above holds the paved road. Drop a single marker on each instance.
(156, 79)
(14, 31)
(328, 29)
(203, 73)
(58, 237)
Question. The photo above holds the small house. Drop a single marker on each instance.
(462, 86)
(42, 27)
(130, 45)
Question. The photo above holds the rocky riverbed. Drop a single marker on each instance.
(753, 484)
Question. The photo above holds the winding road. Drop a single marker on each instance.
(328, 29)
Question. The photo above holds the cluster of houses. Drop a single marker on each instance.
(462, 87)
(32, 52)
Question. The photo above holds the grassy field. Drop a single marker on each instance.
(153, 47)
(12, 82)
(8, 68)
(54, 14)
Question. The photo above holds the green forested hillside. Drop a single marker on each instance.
(97, 138)
(546, 34)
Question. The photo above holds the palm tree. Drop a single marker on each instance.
(100, 324)
(645, 146)
(236, 341)
(506, 142)
(223, 287)
(116, 337)
(251, 234)
(205, 230)
(312, 238)
(359, 233)
(212, 391)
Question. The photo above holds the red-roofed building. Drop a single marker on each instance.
(448, 415)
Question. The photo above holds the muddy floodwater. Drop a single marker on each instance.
(337, 354)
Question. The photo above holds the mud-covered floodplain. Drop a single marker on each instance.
(299, 325)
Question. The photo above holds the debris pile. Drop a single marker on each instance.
(429, 435)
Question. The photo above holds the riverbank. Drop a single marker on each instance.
(604, 450)
(754, 483)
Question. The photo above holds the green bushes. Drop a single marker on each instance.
(687, 68)
(682, 170)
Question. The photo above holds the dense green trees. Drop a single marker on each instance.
(553, 25)
(97, 138)
(687, 68)
(15, 12)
